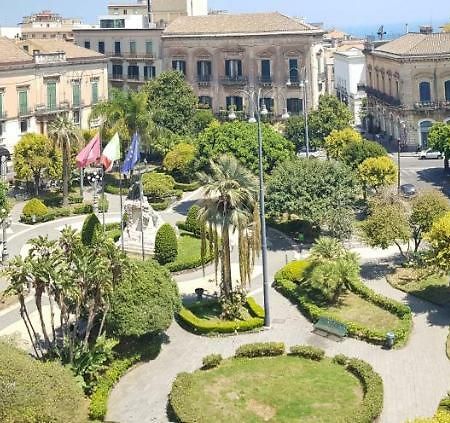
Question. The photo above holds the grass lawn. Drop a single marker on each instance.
(189, 248)
(353, 308)
(433, 288)
(211, 310)
(281, 389)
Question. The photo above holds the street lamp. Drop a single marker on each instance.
(5, 223)
(94, 179)
(402, 136)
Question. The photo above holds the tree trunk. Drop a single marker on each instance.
(102, 324)
(30, 329)
(38, 299)
(52, 317)
(226, 261)
(37, 181)
(446, 162)
(66, 165)
(90, 322)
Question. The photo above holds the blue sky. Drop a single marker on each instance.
(342, 13)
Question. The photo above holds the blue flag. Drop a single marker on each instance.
(133, 155)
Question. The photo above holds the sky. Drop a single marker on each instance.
(345, 14)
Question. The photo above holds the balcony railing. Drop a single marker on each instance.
(133, 78)
(117, 76)
(78, 105)
(128, 55)
(234, 80)
(46, 109)
(385, 98)
(445, 104)
(265, 80)
(25, 111)
(426, 105)
(204, 80)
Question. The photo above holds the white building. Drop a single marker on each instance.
(350, 79)
(13, 32)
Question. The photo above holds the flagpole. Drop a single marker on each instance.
(121, 210)
(141, 192)
(103, 178)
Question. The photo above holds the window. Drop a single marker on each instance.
(370, 78)
(112, 23)
(76, 94)
(149, 72)
(447, 90)
(293, 70)
(101, 47)
(204, 70)
(205, 100)
(117, 48)
(23, 102)
(87, 44)
(94, 89)
(268, 102)
(149, 48)
(390, 86)
(425, 127)
(397, 89)
(383, 86)
(133, 72)
(234, 102)
(133, 48)
(180, 66)
(294, 106)
(76, 117)
(51, 96)
(117, 71)
(265, 70)
(425, 91)
(23, 125)
(233, 68)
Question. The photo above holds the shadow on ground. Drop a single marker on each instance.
(437, 177)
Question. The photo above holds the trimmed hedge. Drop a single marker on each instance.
(192, 223)
(211, 361)
(35, 207)
(55, 213)
(340, 359)
(179, 266)
(55, 199)
(111, 189)
(103, 204)
(205, 326)
(166, 244)
(260, 349)
(91, 227)
(307, 351)
(187, 187)
(313, 312)
(161, 206)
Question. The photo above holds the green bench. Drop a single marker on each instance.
(331, 326)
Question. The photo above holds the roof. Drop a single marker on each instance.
(416, 44)
(51, 46)
(247, 23)
(335, 34)
(12, 53)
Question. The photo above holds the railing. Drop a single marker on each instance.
(385, 98)
(25, 111)
(117, 76)
(445, 104)
(234, 80)
(133, 77)
(204, 80)
(45, 109)
(293, 82)
(128, 55)
(426, 105)
(78, 105)
(265, 80)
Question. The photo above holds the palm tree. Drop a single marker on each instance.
(65, 134)
(230, 203)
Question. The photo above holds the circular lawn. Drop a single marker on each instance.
(279, 389)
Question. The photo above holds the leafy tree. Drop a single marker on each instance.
(193, 223)
(354, 153)
(439, 240)
(172, 102)
(180, 161)
(294, 131)
(310, 189)
(65, 134)
(33, 391)
(35, 158)
(241, 140)
(427, 207)
(230, 203)
(201, 120)
(377, 172)
(338, 140)
(166, 245)
(446, 27)
(157, 185)
(145, 302)
(439, 139)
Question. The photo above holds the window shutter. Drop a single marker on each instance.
(239, 68)
(227, 67)
(199, 68)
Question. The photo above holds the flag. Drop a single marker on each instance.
(111, 153)
(89, 154)
(132, 156)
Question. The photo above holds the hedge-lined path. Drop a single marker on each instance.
(415, 377)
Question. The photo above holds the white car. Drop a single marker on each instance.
(430, 154)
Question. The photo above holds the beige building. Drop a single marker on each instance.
(40, 79)
(222, 55)
(408, 86)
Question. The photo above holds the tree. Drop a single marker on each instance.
(90, 230)
(201, 120)
(180, 161)
(65, 134)
(446, 27)
(145, 302)
(427, 207)
(241, 140)
(172, 102)
(439, 240)
(354, 153)
(230, 203)
(310, 190)
(295, 131)
(377, 172)
(157, 186)
(439, 139)
(338, 140)
(166, 244)
(35, 158)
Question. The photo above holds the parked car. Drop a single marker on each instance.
(430, 154)
(408, 190)
(314, 153)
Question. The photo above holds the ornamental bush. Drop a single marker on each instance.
(307, 351)
(166, 244)
(211, 361)
(192, 223)
(157, 186)
(35, 207)
(145, 302)
(32, 391)
(90, 230)
(294, 270)
(261, 349)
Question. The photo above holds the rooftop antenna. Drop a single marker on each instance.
(406, 28)
(381, 32)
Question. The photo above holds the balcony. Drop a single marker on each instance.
(445, 105)
(128, 55)
(117, 77)
(293, 82)
(45, 109)
(25, 111)
(385, 98)
(78, 105)
(239, 80)
(265, 81)
(204, 80)
(426, 105)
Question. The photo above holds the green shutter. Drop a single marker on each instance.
(149, 48)
(94, 92)
(51, 95)
(23, 102)
(76, 94)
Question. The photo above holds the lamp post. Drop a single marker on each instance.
(402, 136)
(94, 179)
(5, 253)
(258, 111)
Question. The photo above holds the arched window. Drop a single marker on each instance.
(447, 90)
(425, 91)
(425, 127)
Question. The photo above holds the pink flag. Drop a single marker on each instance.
(89, 154)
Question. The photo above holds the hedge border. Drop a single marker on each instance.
(313, 312)
(187, 187)
(200, 326)
(59, 212)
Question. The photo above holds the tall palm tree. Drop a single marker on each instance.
(65, 134)
(230, 203)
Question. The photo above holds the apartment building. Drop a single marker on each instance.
(408, 86)
(40, 79)
(224, 55)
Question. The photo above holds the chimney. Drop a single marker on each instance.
(426, 29)
(149, 10)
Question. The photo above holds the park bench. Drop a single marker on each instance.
(325, 324)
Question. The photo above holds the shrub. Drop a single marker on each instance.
(192, 222)
(32, 391)
(161, 206)
(261, 349)
(340, 359)
(254, 308)
(83, 209)
(111, 189)
(166, 244)
(187, 187)
(179, 266)
(180, 160)
(103, 204)
(211, 361)
(307, 351)
(145, 302)
(294, 270)
(35, 207)
(91, 228)
(157, 185)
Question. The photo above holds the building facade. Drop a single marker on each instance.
(408, 86)
(224, 55)
(40, 79)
